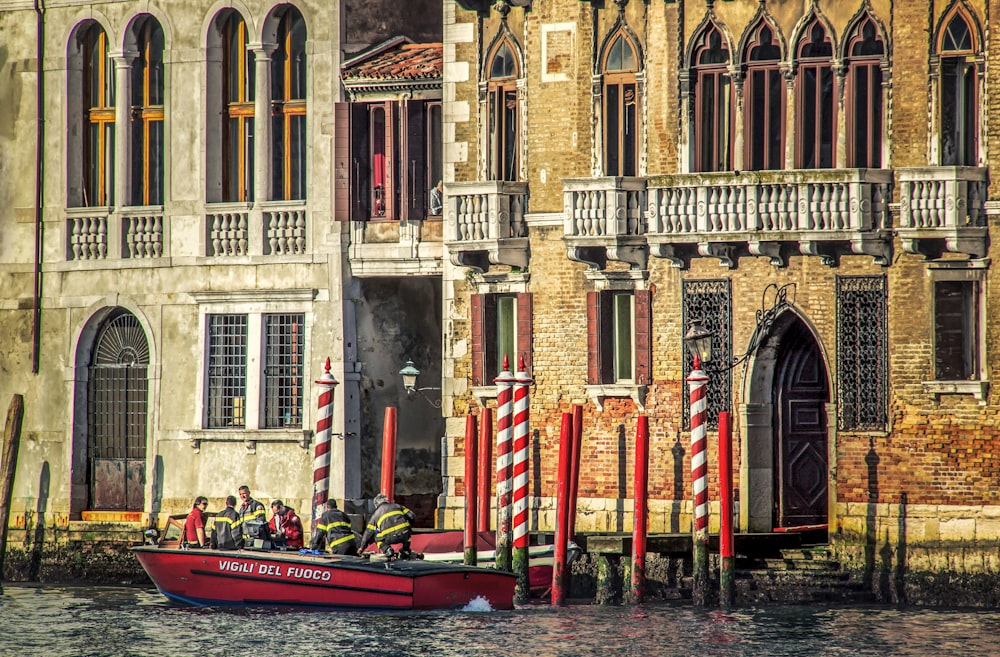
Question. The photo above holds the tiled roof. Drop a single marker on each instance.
(408, 61)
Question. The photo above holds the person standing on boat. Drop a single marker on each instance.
(333, 530)
(252, 515)
(226, 531)
(194, 524)
(389, 525)
(286, 528)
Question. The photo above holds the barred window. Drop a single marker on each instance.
(862, 353)
(284, 351)
(709, 302)
(226, 388)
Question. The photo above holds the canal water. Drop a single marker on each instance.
(126, 622)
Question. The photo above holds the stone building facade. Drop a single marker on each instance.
(807, 180)
(176, 270)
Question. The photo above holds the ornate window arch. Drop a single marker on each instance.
(864, 55)
(503, 107)
(816, 99)
(288, 100)
(620, 64)
(712, 103)
(146, 104)
(764, 99)
(92, 78)
(958, 51)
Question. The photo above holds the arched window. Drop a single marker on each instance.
(620, 103)
(147, 114)
(865, 51)
(98, 119)
(503, 111)
(288, 95)
(958, 100)
(764, 91)
(712, 102)
(237, 110)
(816, 99)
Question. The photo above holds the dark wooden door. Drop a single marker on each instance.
(801, 431)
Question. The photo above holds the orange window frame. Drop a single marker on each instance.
(287, 108)
(241, 109)
(101, 115)
(147, 113)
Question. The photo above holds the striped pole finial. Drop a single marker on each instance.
(321, 457)
(698, 382)
(505, 412)
(522, 380)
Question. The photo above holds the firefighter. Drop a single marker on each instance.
(389, 525)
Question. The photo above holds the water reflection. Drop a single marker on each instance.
(125, 622)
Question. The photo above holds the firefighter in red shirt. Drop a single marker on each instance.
(194, 524)
(286, 528)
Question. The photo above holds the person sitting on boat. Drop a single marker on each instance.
(389, 525)
(286, 528)
(194, 524)
(333, 530)
(252, 517)
(226, 531)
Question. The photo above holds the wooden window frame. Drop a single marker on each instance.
(432, 144)
(716, 75)
(238, 107)
(761, 150)
(99, 118)
(623, 115)
(965, 131)
(287, 109)
(486, 361)
(824, 115)
(504, 119)
(148, 165)
(602, 338)
(870, 125)
(965, 354)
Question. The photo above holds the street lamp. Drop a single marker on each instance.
(699, 342)
(410, 374)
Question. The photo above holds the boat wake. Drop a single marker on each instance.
(478, 604)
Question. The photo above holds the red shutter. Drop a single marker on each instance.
(415, 175)
(477, 306)
(593, 338)
(643, 341)
(524, 336)
(341, 161)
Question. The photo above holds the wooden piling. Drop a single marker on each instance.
(11, 445)
(389, 454)
(471, 491)
(640, 514)
(727, 557)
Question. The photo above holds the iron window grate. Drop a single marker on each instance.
(284, 351)
(227, 371)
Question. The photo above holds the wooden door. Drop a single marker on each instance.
(801, 395)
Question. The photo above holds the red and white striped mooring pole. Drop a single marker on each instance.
(699, 480)
(321, 457)
(505, 413)
(522, 380)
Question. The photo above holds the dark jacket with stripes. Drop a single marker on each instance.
(227, 532)
(333, 530)
(389, 524)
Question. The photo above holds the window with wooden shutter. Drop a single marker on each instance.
(501, 326)
(342, 148)
(864, 96)
(414, 174)
(643, 337)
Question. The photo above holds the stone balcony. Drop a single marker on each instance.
(604, 220)
(942, 209)
(484, 224)
(776, 214)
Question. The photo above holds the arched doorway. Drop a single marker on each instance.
(799, 401)
(116, 409)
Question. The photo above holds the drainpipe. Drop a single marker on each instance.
(36, 319)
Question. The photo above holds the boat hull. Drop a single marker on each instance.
(249, 577)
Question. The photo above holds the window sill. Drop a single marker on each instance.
(249, 437)
(636, 393)
(977, 389)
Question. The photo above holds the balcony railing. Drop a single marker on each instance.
(768, 213)
(943, 209)
(103, 234)
(604, 219)
(484, 224)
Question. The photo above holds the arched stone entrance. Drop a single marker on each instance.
(785, 469)
(111, 418)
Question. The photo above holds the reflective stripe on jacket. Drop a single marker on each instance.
(390, 523)
(226, 530)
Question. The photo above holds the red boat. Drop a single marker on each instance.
(251, 577)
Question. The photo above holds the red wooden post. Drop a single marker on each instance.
(389, 453)
(559, 578)
(471, 489)
(727, 556)
(574, 489)
(485, 466)
(640, 514)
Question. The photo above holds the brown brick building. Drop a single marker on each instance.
(812, 174)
